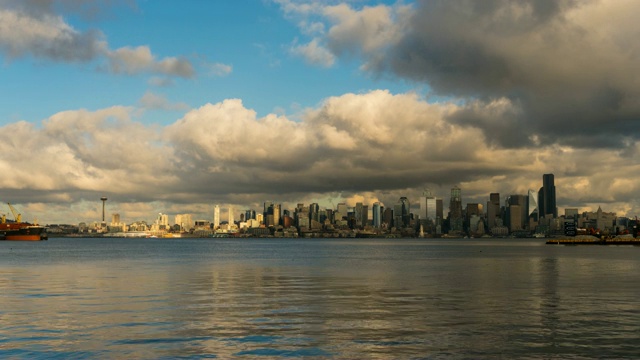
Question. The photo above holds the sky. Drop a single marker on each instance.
(177, 106)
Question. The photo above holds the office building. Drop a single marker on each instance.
(377, 215)
(547, 197)
(216, 217)
(455, 210)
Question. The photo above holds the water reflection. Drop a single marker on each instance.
(319, 299)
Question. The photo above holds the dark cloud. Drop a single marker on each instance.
(567, 69)
(39, 29)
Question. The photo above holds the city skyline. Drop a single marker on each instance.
(166, 107)
(425, 206)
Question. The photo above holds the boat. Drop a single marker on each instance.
(21, 231)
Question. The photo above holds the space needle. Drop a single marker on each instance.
(104, 199)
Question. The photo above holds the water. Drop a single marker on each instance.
(343, 298)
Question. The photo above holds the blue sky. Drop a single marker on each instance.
(174, 107)
(253, 38)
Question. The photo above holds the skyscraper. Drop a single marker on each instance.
(401, 212)
(216, 217)
(493, 209)
(547, 197)
(377, 215)
(455, 209)
(532, 206)
(427, 206)
(358, 214)
(231, 220)
(277, 214)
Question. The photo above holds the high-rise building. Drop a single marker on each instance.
(493, 209)
(365, 215)
(342, 212)
(547, 197)
(358, 214)
(428, 206)
(231, 219)
(402, 213)
(277, 214)
(314, 212)
(532, 205)
(185, 222)
(163, 220)
(515, 217)
(387, 217)
(519, 220)
(216, 217)
(377, 215)
(455, 210)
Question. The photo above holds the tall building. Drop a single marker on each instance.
(377, 215)
(439, 211)
(402, 213)
(163, 219)
(517, 212)
(365, 215)
(387, 217)
(185, 222)
(515, 217)
(427, 206)
(267, 214)
(115, 219)
(493, 209)
(342, 211)
(532, 205)
(547, 197)
(358, 214)
(455, 210)
(216, 217)
(231, 220)
(277, 214)
(314, 212)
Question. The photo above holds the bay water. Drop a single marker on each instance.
(318, 298)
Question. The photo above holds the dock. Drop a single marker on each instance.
(594, 241)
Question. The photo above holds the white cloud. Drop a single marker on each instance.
(32, 29)
(129, 60)
(48, 36)
(374, 145)
(154, 101)
(219, 69)
(314, 53)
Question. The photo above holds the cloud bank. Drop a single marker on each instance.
(374, 145)
(557, 72)
(34, 28)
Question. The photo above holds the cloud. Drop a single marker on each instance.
(219, 69)
(161, 81)
(128, 60)
(353, 147)
(158, 102)
(48, 36)
(33, 28)
(314, 53)
(561, 71)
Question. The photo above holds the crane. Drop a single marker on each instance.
(16, 216)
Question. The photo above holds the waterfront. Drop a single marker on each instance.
(337, 298)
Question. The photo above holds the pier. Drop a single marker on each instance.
(595, 241)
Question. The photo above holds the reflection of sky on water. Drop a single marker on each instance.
(318, 299)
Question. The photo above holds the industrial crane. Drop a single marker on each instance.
(16, 216)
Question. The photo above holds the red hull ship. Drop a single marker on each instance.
(21, 231)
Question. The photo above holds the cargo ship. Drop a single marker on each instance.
(21, 231)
